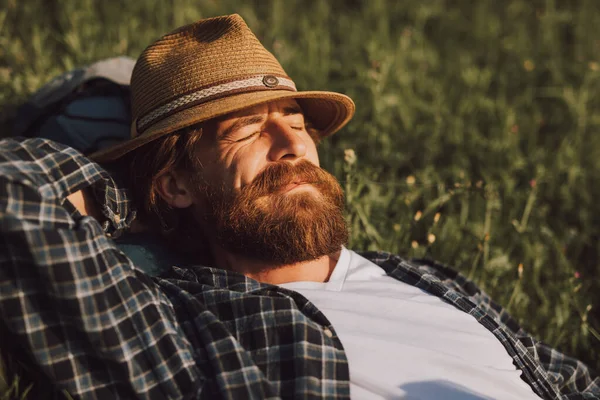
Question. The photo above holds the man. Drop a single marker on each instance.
(223, 164)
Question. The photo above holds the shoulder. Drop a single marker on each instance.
(393, 264)
(414, 271)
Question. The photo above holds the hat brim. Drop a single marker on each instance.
(328, 112)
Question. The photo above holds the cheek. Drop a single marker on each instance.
(241, 166)
(223, 168)
(213, 176)
(312, 154)
(248, 168)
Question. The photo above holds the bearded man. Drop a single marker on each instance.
(223, 165)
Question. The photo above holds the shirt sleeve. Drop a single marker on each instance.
(574, 379)
(94, 325)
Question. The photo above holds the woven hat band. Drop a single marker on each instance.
(251, 84)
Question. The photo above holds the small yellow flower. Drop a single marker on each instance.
(585, 315)
(431, 238)
(397, 227)
(349, 156)
(529, 65)
(593, 65)
(414, 244)
(520, 269)
(436, 217)
(418, 215)
(410, 180)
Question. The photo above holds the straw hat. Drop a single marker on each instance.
(208, 69)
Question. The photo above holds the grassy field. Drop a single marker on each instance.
(476, 139)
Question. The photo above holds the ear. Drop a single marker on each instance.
(173, 188)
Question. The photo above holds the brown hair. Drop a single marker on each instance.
(142, 167)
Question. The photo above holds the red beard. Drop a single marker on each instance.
(265, 222)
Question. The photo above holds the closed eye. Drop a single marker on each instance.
(246, 137)
(295, 118)
(239, 124)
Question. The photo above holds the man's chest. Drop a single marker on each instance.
(401, 341)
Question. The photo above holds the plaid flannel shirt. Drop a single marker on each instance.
(99, 328)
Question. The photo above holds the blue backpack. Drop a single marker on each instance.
(87, 108)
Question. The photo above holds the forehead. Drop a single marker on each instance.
(277, 105)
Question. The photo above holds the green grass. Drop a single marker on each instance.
(476, 139)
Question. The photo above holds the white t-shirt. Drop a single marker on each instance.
(404, 343)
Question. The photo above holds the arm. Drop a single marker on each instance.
(83, 201)
(92, 323)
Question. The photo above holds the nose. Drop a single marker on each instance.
(287, 144)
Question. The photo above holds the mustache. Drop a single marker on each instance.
(278, 175)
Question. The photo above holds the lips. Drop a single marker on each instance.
(293, 185)
(285, 176)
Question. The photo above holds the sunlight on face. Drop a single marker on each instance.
(261, 189)
(244, 143)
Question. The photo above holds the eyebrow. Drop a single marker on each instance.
(240, 123)
(292, 110)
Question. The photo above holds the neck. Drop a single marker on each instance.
(318, 270)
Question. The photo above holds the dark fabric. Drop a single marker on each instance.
(88, 124)
(99, 327)
(86, 108)
(148, 253)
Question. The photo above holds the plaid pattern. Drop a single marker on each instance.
(99, 328)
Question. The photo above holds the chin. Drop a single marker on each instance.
(299, 200)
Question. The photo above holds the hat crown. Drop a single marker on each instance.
(200, 55)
